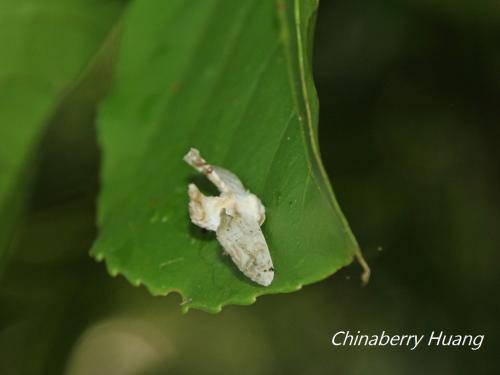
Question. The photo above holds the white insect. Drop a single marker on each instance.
(235, 215)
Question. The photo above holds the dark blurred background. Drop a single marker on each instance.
(409, 132)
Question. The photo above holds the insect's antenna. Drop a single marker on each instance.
(194, 159)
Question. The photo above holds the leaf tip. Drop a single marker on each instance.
(365, 276)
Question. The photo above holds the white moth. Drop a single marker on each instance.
(235, 215)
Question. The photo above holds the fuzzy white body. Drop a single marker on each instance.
(235, 215)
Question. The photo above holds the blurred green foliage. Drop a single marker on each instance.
(45, 46)
(409, 117)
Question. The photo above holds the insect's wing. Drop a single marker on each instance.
(242, 238)
(226, 181)
(231, 181)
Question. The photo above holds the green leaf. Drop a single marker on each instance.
(45, 45)
(232, 78)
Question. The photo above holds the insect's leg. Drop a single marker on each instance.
(204, 211)
(196, 210)
(194, 159)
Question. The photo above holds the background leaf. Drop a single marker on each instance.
(44, 45)
(232, 79)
